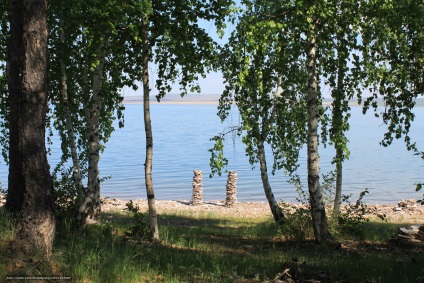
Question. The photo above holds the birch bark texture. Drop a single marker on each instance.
(76, 171)
(319, 219)
(28, 57)
(276, 211)
(153, 221)
(89, 206)
(339, 182)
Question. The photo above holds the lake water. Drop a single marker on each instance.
(181, 143)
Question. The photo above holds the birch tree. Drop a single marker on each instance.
(270, 108)
(393, 64)
(168, 35)
(393, 60)
(340, 65)
(89, 71)
(153, 222)
(300, 24)
(306, 32)
(319, 218)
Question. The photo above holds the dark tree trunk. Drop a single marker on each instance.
(16, 186)
(30, 180)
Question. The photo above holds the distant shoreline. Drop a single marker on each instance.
(176, 99)
(207, 100)
(174, 102)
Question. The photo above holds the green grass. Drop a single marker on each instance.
(205, 248)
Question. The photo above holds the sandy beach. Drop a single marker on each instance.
(405, 211)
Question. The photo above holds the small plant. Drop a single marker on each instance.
(298, 186)
(65, 192)
(352, 219)
(297, 226)
(328, 187)
(139, 227)
(8, 223)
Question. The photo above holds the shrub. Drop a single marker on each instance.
(297, 226)
(352, 220)
(139, 227)
(65, 192)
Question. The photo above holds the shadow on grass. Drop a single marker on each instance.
(235, 241)
(98, 254)
(207, 249)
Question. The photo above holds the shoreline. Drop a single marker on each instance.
(405, 211)
(174, 102)
(208, 99)
(206, 102)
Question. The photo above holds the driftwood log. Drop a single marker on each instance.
(197, 197)
(231, 188)
(411, 235)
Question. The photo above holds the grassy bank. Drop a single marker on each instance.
(211, 248)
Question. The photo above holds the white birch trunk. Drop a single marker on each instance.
(153, 221)
(319, 219)
(90, 206)
(76, 172)
(277, 213)
(338, 119)
(339, 181)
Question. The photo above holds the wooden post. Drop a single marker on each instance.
(231, 198)
(197, 198)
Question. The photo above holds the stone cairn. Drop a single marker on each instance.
(231, 198)
(197, 198)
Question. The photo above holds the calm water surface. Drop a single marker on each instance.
(181, 143)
